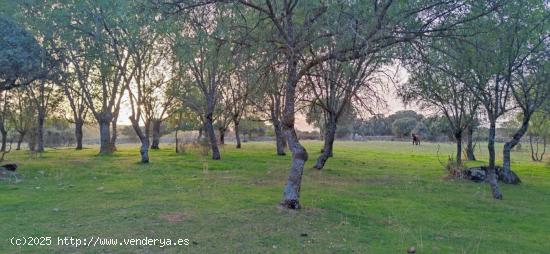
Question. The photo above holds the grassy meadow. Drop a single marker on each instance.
(372, 197)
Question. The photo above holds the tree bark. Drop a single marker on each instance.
(535, 156)
(291, 195)
(143, 138)
(40, 131)
(208, 126)
(279, 135)
(491, 174)
(200, 134)
(104, 120)
(508, 177)
(4, 139)
(330, 132)
(20, 140)
(114, 133)
(222, 135)
(156, 134)
(78, 133)
(470, 146)
(237, 134)
(458, 139)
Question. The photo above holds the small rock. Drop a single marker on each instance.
(100, 188)
(411, 249)
(37, 187)
(41, 172)
(55, 209)
(274, 246)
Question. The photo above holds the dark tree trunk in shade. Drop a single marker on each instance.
(4, 139)
(208, 126)
(237, 134)
(329, 135)
(156, 134)
(78, 133)
(491, 174)
(105, 145)
(40, 131)
(291, 195)
(458, 140)
(222, 135)
(508, 177)
(20, 140)
(470, 146)
(279, 134)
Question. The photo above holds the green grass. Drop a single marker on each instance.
(373, 197)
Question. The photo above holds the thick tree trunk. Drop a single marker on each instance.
(78, 133)
(177, 142)
(291, 196)
(104, 120)
(40, 132)
(20, 140)
(508, 176)
(470, 146)
(156, 134)
(208, 126)
(330, 132)
(237, 134)
(491, 174)
(222, 135)
(458, 139)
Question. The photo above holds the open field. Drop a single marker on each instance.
(372, 197)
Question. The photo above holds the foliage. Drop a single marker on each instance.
(403, 127)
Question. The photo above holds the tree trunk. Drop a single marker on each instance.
(470, 146)
(535, 156)
(222, 135)
(78, 133)
(330, 132)
(40, 132)
(156, 134)
(458, 139)
(114, 133)
(212, 136)
(491, 174)
(143, 138)
(20, 140)
(104, 120)
(279, 135)
(291, 196)
(177, 142)
(237, 134)
(508, 176)
(4, 139)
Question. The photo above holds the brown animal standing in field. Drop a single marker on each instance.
(416, 139)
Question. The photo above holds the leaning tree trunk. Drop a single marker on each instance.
(291, 196)
(470, 146)
(237, 134)
(458, 139)
(78, 133)
(104, 120)
(330, 132)
(20, 140)
(144, 139)
(507, 175)
(279, 135)
(222, 135)
(212, 136)
(156, 134)
(491, 174)
(40, 131)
